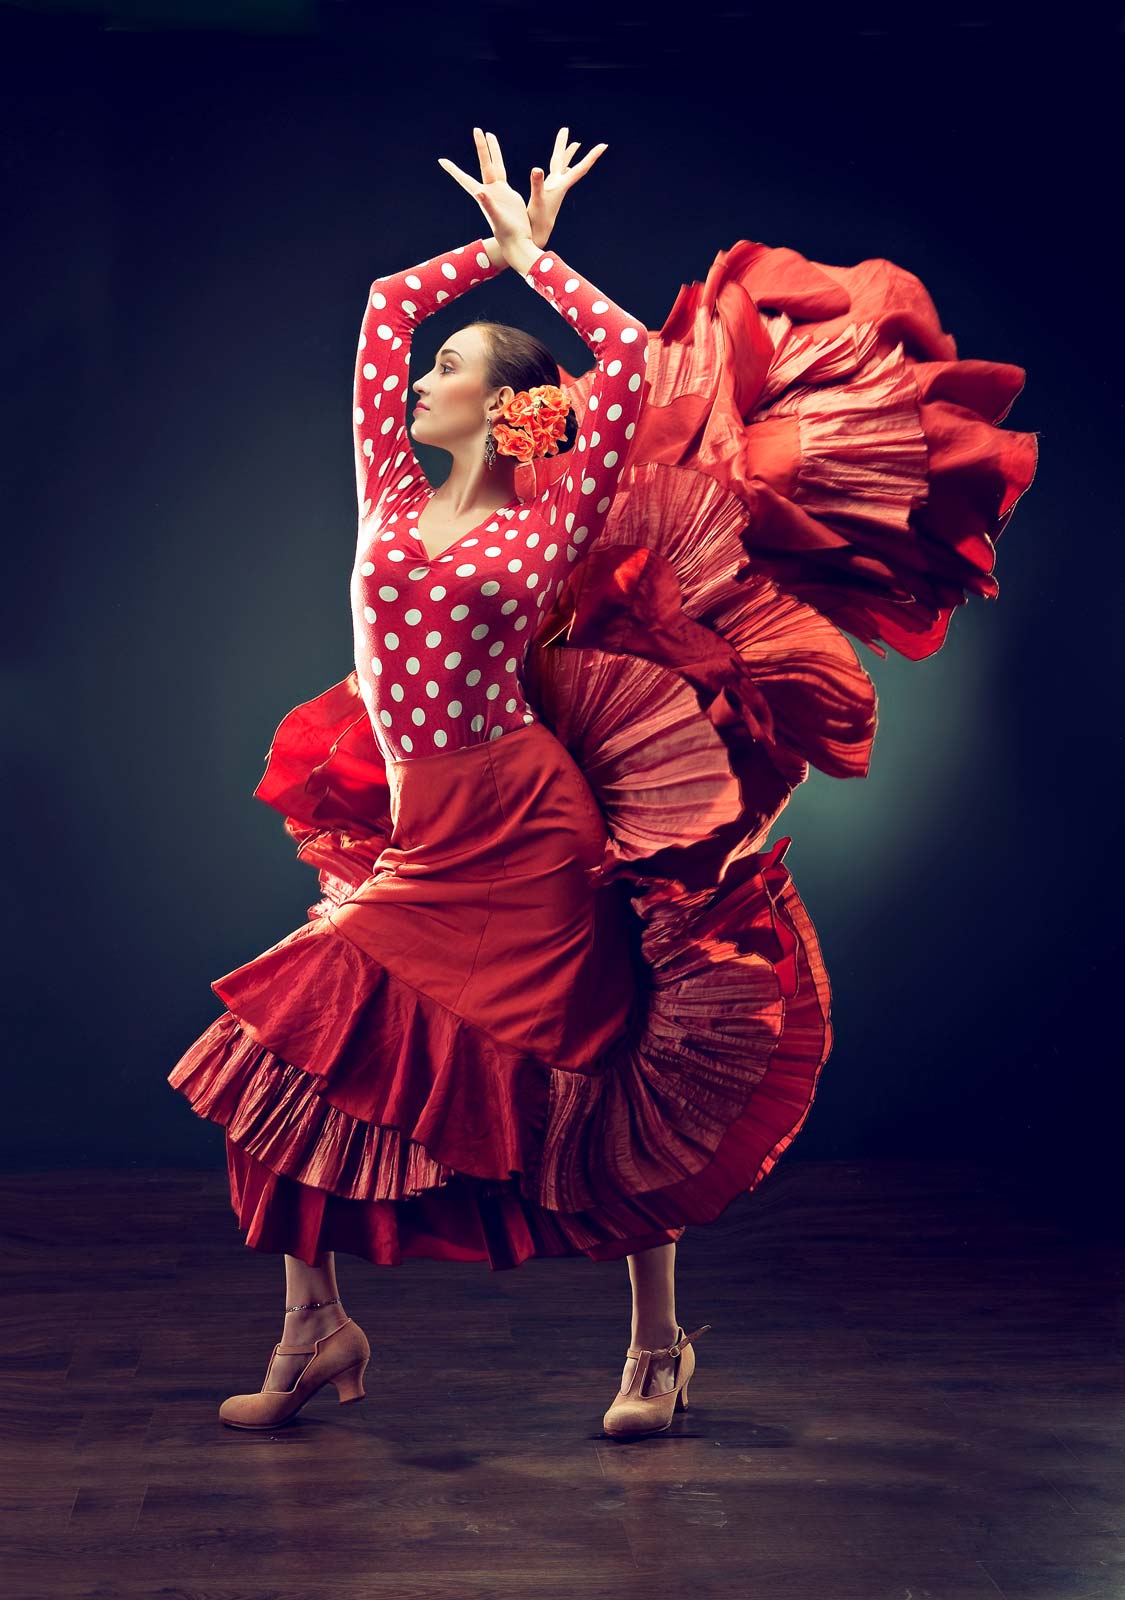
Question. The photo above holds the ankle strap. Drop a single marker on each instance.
(672, 1349)
(308, 1306)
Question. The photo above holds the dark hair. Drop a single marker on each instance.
(520, 359)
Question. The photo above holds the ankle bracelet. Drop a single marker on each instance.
(311, 1303)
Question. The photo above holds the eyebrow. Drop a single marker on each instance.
(448, 350)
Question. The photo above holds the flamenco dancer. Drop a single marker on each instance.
(556, 997)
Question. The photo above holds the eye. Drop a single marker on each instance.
(445, 367)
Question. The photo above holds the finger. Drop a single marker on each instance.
(498, 168)
(587, 161)
(558, 147)
(484, 155)
(536, 180)
(472, 185)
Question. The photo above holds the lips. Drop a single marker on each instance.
(421, 407)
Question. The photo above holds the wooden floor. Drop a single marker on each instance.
(910, 1391)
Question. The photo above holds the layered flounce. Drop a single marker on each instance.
(812, 459)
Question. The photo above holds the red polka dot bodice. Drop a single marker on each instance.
(440, 643)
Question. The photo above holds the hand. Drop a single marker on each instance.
(547, 192)
(504, 208)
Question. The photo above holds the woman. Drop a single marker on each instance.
(555, 998)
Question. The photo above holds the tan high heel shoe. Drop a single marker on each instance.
(338, 1358)
(633, 1414)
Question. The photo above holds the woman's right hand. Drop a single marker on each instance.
(547, 190)
(501, 204)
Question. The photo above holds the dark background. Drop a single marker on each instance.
(197, 198)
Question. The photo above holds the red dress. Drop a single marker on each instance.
(557, 997)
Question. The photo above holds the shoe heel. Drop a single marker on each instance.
(681, 1398)
(349, 1383)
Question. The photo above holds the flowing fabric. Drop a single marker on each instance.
(557, 995)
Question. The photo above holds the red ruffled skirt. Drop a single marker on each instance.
(557, 997)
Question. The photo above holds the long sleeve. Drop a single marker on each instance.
(395, 306)
(581, 498)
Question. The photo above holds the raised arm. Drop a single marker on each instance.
(582, 496)
(396, 305)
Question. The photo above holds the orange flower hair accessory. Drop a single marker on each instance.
(532, 423)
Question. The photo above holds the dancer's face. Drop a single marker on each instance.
(453, 403)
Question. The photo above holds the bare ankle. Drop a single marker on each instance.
(654, 1335)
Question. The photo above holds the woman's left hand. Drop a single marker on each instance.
(504, 208)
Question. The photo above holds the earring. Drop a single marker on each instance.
(489, 447)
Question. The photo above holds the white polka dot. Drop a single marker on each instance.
(482, 261)
(491, 587)
(466, 569)
(449, 269)
(510, 664)
(453, 659)
(440, 737)
(589, 485)
(492, 691)
(397, 691)
(598, 306)
(477, 723)
(480, 630)
(532, 579)
(432, 689)
(604, 503)
(509, 705)
(521, 622)
(545, 263)
(396, 555)
(368, 614)
(391, 382)
(376, 665)
(413, 664)
(495, 649)
(407, 742)
(635, 382)
(385, 718)
(613, 413)
(614, 368)
(418, 716)
(412, 280)
(391, 641)
(433, 639)
(367, 568)
(472, 677)
(437, 592)
(459, 613)
(580, 534)
(628, 335)
(388, 424)
(570, 285)
(610, 458)
(509, 605)
(359, 409)
(388, 592)
(454, 708)
(378, 300)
